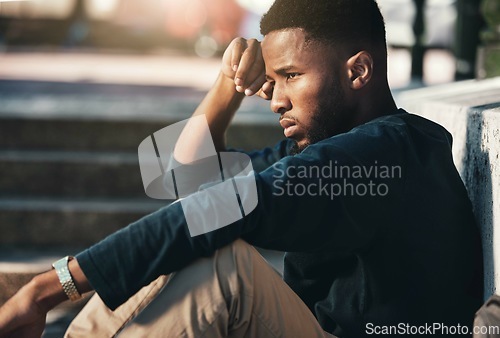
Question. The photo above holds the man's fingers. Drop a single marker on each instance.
(239, 46)
(256, 85)
(266, 91)
(250, 66)
(243, 62)
(232, 56)
(254, 79)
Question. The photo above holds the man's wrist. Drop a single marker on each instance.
(227, 86)
(61, 267)
(47, 291)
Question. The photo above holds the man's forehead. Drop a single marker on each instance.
(292, 37)
(292, 43)
(283, 46)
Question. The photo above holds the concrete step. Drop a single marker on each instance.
(71, 174)
(247, 132)
(39, 223)
(111, 117)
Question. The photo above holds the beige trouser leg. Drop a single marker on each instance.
(234, 293)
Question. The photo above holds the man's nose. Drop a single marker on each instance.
(280, 103)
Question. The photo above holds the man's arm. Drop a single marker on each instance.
(242, 73)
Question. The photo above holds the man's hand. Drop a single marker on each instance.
(243, 63)
(242, 71)
(21, 316)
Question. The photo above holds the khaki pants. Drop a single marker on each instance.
(234, 293)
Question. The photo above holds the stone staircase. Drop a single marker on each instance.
(69, 172)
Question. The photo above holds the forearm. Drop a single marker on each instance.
(219, 106)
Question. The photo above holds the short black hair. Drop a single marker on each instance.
(355, 23)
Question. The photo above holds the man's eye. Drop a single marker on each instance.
(291, 75)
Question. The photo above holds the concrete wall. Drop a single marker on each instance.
(470, 111)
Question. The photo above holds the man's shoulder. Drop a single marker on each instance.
(399, 127)
(393, 134)
(401, 122)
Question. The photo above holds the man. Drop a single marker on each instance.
(363, 197)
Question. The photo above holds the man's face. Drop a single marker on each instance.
(307, 89)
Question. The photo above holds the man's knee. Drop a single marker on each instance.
(243, 254)
(240, 246)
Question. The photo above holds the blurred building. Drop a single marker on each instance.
(439, 22)
(202, 23)
(207, 26)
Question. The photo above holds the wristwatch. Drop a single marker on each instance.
(61, 267)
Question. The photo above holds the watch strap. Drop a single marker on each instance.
(67, 283)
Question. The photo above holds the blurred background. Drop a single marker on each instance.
(416, 30)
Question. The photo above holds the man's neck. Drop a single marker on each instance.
(378, 102)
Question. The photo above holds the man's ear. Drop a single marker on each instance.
(360, 69)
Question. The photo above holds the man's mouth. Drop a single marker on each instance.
(289, 125)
